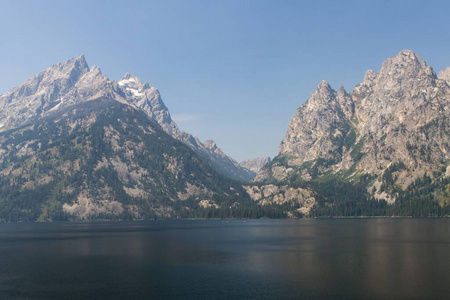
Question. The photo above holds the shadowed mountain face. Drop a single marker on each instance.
(104, 159)
(73, 82)
(391, 131)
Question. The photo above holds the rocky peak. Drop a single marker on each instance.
(370, 75)
(408, 57)
(130, 79)
(55, 79)
(406, 63)
(323, 92)
(318, 127)
(341, 91)
(345, 102)
(445, 75)
(78, 62)
(148, 99)
(322, 99)
(132, 86)
(95, 70)
(45, 92)
(212, 147)
(404, 72)
(210, 144)
(398, 116)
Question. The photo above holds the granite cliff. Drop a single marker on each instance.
(389, 133)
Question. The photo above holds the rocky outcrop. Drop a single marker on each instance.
(271, 194)
(445, 75)
(395, 118)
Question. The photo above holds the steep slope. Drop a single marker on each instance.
(104, 159)
(66, 84)
(149, 100)
(385, 138)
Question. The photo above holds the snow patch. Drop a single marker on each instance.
(123, 82)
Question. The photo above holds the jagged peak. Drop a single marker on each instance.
(69, 71)
(370, 75)
(324, 85)
(323, 92)
(409, 54)
(96, 69)
(81, 58)
(341, 90)
(78, 62)
(445, 74)
(130, 78)
(405, 59)
(404, 70)
(131, 81)
(210, 144)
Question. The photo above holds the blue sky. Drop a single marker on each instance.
(232, 71)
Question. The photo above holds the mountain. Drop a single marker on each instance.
(255, 164)
(102, 159)
(148, 99)
(75, 145)
(66, 84)
(386, 140)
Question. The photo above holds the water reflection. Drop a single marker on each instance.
(348, 258)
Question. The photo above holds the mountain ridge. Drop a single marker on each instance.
(391, 130)
(77, 145)
(66, 84)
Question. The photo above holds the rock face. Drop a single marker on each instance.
(393, 127)
(255, 164)
(319, 127)
(148, 99)
(445, 75)
(66, 84)
(300, 200)
(56, 88)
(103, 159)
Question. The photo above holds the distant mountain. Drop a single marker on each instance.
(388, 140)
(66, 84)
(255, 164)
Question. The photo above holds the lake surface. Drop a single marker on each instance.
(260, 259)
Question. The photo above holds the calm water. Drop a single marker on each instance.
(268, 259)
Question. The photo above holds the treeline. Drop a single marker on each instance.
(241, 212)
(424, 198)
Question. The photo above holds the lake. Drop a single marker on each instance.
(234, 259)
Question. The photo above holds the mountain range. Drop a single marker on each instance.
(77, 145)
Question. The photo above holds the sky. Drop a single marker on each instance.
(231, 71)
